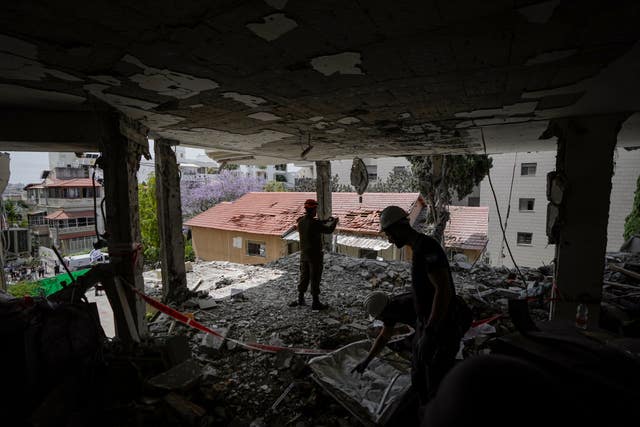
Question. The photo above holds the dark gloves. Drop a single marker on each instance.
(360, 367)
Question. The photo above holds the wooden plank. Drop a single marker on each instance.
(624, 271)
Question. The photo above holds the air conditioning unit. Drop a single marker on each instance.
(17, 242)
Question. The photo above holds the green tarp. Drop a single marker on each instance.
(51, 285)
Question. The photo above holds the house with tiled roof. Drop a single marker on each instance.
(260, 227)
(62, 211)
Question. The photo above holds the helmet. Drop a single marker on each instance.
(375, 303)
(390, 215)
(310, 203)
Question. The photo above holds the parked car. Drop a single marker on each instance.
(78, 262)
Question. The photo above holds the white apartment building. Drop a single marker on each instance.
(519, 181)
(283, 172)
(197, 169)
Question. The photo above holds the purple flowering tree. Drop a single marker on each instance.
(227, 186)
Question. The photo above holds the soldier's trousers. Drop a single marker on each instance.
(310, 273)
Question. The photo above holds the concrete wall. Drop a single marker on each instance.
(218, 245)
(539, 252)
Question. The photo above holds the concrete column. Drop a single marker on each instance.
(121, 160)
(323, 190)
(585, 160)
(174, 276)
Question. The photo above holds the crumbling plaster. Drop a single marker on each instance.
(254, 78)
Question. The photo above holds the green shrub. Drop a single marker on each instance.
(22, 289)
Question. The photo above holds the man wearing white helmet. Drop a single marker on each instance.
(390, 310)
(442, 318)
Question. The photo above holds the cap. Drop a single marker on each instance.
(310, 203)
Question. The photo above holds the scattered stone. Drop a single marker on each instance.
(187, 410)
(205, 304)
(181, 377)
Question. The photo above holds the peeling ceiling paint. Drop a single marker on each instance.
(264, 116)
(169, 83)
(97, 90)
(18, 47)
(341, 63)
(274, 26)
(150, 119)
(555, 55)
(539, 13)
(348, 120)
(492, 65)
(15, 67)
(107, 80)
(215, 138)
(507, 110)
(276, 4)
(248, 100)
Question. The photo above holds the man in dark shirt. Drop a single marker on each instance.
(390, 310)
(441, 317)
(310, 231)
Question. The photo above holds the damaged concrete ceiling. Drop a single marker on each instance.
(263, 80)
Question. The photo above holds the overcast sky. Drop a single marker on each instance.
(26, 167)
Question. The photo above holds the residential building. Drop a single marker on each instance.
(260, 227)
(62, 210)
(286, 173)
(197, 169)
(520, 182)
(378, 169)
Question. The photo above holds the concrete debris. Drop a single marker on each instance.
(181, 377)
(206, 303)
(188, 410)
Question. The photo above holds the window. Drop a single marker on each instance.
(281, 167)
(527, 204)
(528, 169)
(399, 169)
(257, 249)
(280, 178)
(473, 201)
(82, 222)
(367, 253)
(525, 238)
(372, 172)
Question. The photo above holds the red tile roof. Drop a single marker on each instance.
(467, 227)
(275, 213)
(75, 182)
(61, 214)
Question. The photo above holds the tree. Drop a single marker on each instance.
(228, 186)
(309, 185)
(399, 181)
(148, 207)
(14, 210)
(274, 187)
(632, 222)
(438, 177)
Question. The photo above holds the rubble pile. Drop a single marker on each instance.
(250, 304)
(621, 294)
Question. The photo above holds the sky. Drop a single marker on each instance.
(26, 167)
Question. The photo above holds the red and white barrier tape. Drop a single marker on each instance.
(183, 318)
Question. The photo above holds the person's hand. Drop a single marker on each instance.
(360, 367)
